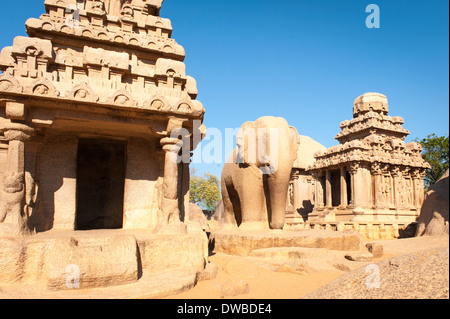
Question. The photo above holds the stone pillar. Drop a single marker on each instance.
(185, 189)
(354, 168)
(170, 221)
(13, 220)
(356, 191)
(423, 173)
(377, 174)
(391, 188)
(344, 195)
(319, 191)
(396, 176)
(295, 190)
(328, 189)
(417, 189)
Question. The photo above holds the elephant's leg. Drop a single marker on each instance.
(251, 194)
(229, 207)
(278, 185)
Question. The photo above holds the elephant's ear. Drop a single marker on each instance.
(246, 144)
(295, 142)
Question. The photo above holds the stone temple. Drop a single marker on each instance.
(372, 181)
(92, 104)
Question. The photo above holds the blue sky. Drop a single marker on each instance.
(304, 60)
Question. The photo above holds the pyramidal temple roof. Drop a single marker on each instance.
(372, 136)
(112, 53)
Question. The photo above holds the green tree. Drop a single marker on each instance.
(435, 152)
(205, 191)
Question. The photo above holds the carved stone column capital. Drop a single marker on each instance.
(416, 174)
(395, 171)
(354, 167)
(168, 144)
(295, 175)
(17, 131)
(376, 169)
(168, 141)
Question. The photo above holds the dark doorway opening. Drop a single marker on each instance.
(101, 168)
(336, 188)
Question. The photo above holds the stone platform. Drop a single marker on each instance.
(371, 230)
(244, 243)
(86, 263)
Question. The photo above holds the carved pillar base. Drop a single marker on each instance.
(359, 214)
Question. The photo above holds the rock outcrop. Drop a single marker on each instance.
(420, 275)
(433, 219)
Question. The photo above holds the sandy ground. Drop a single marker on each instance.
(268, 284)
(265, 284)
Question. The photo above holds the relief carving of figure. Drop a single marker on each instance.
(386, 189)
(98, 6)
(13, 191)
(113, 7)
(291, 194)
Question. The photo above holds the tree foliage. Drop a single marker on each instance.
(435, 151)
(205, 191)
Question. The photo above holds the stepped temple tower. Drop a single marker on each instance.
(372, 181)
(92, 105)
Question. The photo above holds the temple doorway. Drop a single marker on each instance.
(101, 166)
(335, 188)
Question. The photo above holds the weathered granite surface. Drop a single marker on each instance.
(419, 275)
(243, 243)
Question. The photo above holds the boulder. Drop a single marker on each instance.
(420, 275)
(433, 219)
(219, 214)
(359, 256)
(376, 249)
(196, 215)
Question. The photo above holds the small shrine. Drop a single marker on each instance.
(372, 181)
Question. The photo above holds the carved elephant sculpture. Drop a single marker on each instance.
(255, 178)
